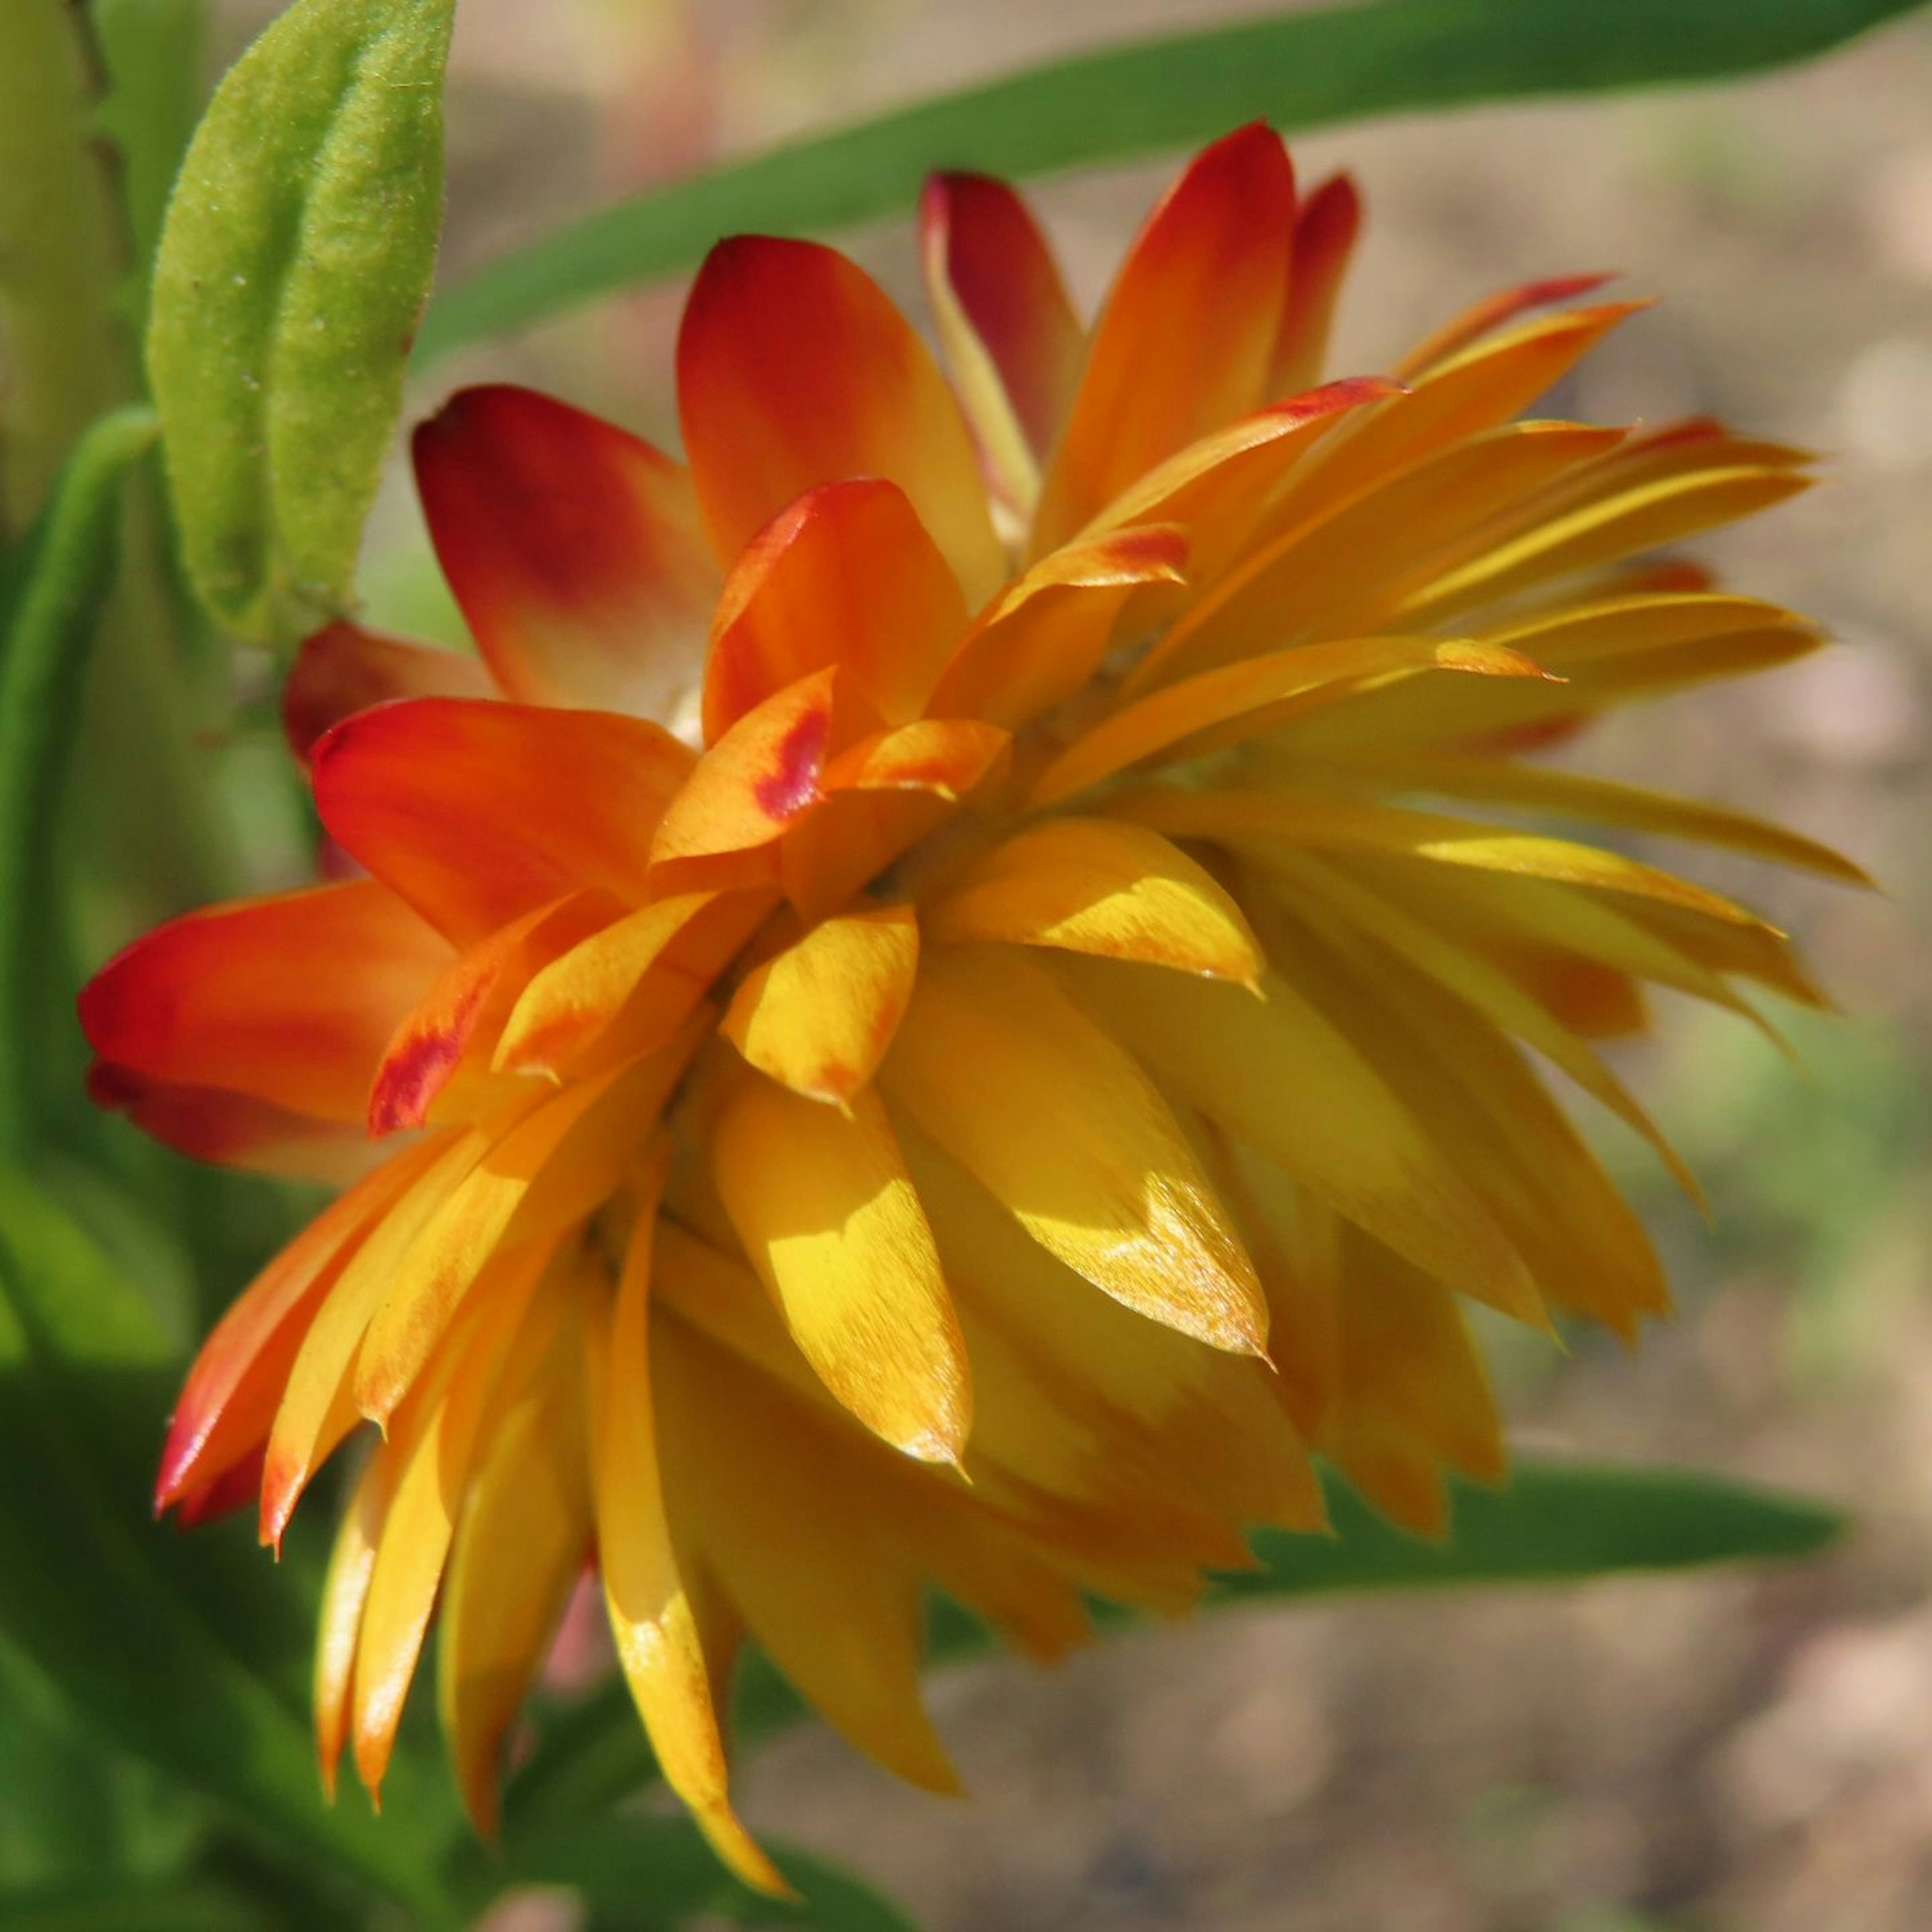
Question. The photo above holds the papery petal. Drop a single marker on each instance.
(847, 575)
(562, 1160)
(343, 669)
(628, 989)
(1255, 696)
(1055, 1120)
(228, 1129)
(524, 1536)
(1326, 225)
(1184, 343)
(575, 550)
(828, 1217)
(818, 1015)
(1089, 885)
(793, 370)
(463, 1015)
(1045, 638)
(1275, 1071)
(287, 999)
(478, 814)
(432, 1447)
(789, 1515)
(1013, 345)
(653, 1617)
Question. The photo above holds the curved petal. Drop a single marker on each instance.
(343, 669)
(1088, 885)
(818, 1015)
(847, 575)
(574, 549)
(287, 999)
(1055, 1120)
(1013, 345)
(1325, 227)
(478, 814)
(655, 1618)
(794, 369)
(829, 1218)
(1184, 344)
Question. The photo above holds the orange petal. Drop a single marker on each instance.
(1045, 638)
(229, 1399)
(1254, 696)
(1325, 227)
(478, 813)
(574, 550)
(343, 669)
(1492, 313)
(818, 1016)
(228, 1129)
(794, 369)
(287, 999)
(561, 1161)
(1012, 343)
(1087, 885)
(829, 1218)
(847, 576)
(1184, 343)
(462, 1015)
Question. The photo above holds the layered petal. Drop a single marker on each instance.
(343, 669)
(575, 550)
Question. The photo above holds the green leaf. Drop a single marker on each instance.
(89, 1588)
(656, 1874)
(1306, 69)
(1554, 1522)
(294, 264)
(52, 586)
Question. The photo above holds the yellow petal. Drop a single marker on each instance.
(829, 1218)
(1256, 696)
(1277, 1072)
(345, 1590)
(1059, 1125)
(432, 1446)
(818, 1016)
(558, 1164)
(521, 1545)
(1091, 885)
(782, 1509)
(660, 1642)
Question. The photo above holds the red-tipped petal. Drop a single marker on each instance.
(1490, 314)
(1012, 343)
(343, 669)
(287, 999)
(229, 1129)
(846, 576)
(478, 813)
(574, 548)
(794, 369)
(1325, 229)
(1185, 343)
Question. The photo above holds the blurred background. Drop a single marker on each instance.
(1731, 1752)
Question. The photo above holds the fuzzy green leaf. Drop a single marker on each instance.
(1307, 69)
(294, 262)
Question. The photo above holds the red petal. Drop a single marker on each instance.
(343, 669)
(1185, 343)
(478, 813)
(574, 548)
(794, 369)
(1325, 229)
(846, 576)
(288, 1000)
(1012, 342)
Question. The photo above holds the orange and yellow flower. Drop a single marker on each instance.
(1054, 1056)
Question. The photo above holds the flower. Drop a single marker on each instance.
(1039, 1070)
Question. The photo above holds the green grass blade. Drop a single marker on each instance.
(1307, 69)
